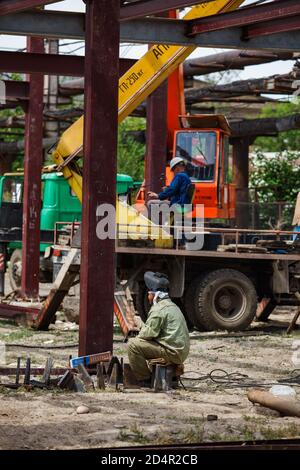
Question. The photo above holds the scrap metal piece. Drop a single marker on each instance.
(66, 381)
(100, 377)
(115, 372)
(47, 371)
(125, 312)
(129, 379)
(27, 372)
(18, 371)
(85, 377)
(61, 286)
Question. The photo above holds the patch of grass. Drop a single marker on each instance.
(254, 419)
(191, 435)
(135, 434)
(248, 433)
(4, 323)
(20, 333)
(193, 420)
(292, 430)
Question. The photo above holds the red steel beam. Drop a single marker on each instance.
(97, 276)
(33, 162)
(245, 16)
(156, 139)
(12, 6)
(16, 90)
(49, 64)
(142, 8)
(279, 25)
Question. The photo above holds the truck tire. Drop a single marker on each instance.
(225, 299)
(15, 269)
(190, 304)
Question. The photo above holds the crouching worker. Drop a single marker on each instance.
(164, 335)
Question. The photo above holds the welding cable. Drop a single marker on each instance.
(224, 379)
(51, 346)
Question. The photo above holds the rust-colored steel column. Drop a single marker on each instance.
(99, 174)
(33, 162)
(156, 139)
(241, 180)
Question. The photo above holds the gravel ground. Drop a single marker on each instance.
(48, 420)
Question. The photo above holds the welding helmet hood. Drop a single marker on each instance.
(156, 281)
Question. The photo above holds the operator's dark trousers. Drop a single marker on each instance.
(140, 351)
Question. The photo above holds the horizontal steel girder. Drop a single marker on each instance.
(278, 11)
(11, 6)
(55, 24)
(52, 64)
(145, 7)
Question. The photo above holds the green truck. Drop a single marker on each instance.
(58, 205)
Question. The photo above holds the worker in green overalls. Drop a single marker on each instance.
(164, 335)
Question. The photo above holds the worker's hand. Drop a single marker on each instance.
(165, 187)
(151, 194)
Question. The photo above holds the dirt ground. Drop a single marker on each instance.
(42, 419)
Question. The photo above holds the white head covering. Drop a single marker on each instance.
(159, 295)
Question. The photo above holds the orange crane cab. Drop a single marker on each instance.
(203, 143)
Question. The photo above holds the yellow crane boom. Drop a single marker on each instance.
(134, 87)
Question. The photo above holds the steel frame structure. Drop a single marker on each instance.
(247, 28)
(240, 30)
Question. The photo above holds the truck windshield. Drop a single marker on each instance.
(199, 150)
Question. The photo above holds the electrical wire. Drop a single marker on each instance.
(224, 379)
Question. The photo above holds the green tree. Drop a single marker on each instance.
(276, 180)
(130, 152)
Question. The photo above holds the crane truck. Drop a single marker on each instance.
(217, 289)
(237, 272)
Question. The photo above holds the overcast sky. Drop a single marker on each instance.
(17, 42)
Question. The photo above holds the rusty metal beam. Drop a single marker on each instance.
(33, 162)
(156, 139)
(281, 9)
(16, 90)
(241, 179)
(15, 312)
(49, 64)
(142, 8)
(97, 277)
(12, 6)
(266, 28)
(56, 24)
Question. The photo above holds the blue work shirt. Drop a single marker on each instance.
(177, 191)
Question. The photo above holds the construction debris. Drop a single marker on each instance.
(287, 407)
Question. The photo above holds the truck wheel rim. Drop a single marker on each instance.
(229, 302)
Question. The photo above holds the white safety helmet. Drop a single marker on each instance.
(175, 161)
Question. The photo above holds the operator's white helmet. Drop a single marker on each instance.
(175, 161)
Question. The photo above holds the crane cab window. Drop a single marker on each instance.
(199, 150)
